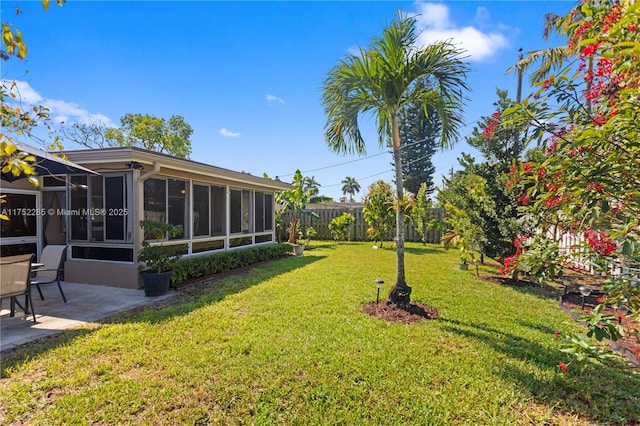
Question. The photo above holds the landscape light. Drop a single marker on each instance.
(584, 291)
(379, 282)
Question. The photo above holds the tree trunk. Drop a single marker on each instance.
(400, 292)
(293, 226)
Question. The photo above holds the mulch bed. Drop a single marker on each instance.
(572, 302)
(391, 312)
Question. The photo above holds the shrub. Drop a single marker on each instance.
(339, 226)
(200, 266)
(379, 210)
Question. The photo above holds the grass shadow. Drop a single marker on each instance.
(320, 244)
(601, 394)
(421, 251)
(530, 288)
(212, 290)
(188, 299)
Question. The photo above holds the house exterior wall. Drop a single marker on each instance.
(103, 249)
(162, 168)
(113, 274)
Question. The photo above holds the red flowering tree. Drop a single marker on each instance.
(586, 117)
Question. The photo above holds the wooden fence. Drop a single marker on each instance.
(359, 227)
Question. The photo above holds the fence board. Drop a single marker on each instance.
(359, 227)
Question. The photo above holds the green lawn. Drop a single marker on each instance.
(286, 343)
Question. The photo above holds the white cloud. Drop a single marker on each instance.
(22, 92)
(59, 110)
(434, 22)
(273, 98)
(229, 134)
(482, 15)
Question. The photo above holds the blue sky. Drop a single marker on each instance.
(247, 76)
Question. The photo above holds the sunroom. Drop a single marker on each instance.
(97, 216)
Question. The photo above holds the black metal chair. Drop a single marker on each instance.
(52, 258)
(15, 272)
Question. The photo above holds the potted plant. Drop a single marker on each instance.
(294, 201)
(465, 256)
(157, 257)
(462, 241)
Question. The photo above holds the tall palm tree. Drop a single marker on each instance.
(310, 184)
(381, 81)
(350, 186)
(554, 57)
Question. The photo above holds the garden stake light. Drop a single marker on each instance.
(566, 282)
(584, 291)
(379, 282)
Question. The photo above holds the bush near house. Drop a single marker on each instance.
(191, 268)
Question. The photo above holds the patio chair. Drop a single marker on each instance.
(14, 281)
(52, 258)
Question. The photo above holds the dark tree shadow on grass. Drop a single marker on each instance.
(420, 251)
(607, 394)
(319, 244)
(189, 298)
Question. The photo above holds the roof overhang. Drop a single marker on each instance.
(47, 164)
(168, 163)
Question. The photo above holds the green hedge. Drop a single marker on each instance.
(189, 268)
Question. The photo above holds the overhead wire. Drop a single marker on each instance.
(376, 155)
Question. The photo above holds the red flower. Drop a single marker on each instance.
(523, 199)
(553, 146)
(599, 119)
(590, 50)
(594, 186)
(578, 33)
(563, 366)
(554, 200)
(527, 168)
(541, 172)
(556, 334)
(489, 132)
(600, 242)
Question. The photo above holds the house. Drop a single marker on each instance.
(97, 214)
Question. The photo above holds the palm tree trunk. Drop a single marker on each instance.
(400, 292)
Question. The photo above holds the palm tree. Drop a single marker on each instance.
(310, 184)
(553, 57)
(350, 186)
(381, 81)
(295, 201)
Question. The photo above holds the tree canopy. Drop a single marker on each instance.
(381, 81)
(350, 186)
(153, 133)
(419, 132)
(585, 184)
(18, 121)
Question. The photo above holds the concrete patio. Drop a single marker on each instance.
(85, 303)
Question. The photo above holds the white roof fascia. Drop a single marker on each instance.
(145, 157)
